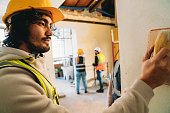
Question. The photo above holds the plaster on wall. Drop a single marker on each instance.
(135, 19)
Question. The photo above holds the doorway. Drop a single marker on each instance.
(62, 49)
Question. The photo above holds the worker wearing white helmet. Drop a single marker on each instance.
(100, 65)
(97, 49)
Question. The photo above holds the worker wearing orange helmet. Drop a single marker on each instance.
(25, 84)
(80, 71)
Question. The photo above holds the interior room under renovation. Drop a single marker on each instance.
(107, 39)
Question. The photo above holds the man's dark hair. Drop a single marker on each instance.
(18, 27)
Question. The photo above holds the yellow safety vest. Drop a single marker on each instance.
(101, 62)
(50, 90)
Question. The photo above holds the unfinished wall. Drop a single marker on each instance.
(135, 19)
(88, 36)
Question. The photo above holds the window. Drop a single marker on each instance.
(62, 46)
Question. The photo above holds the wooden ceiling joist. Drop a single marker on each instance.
(93, 7)
(77, 3)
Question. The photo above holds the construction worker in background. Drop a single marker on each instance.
(100, 66)
(24, 81)
(80, 71)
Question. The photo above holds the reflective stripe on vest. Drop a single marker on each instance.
(80, 66)
(101, 62)
(50, 90)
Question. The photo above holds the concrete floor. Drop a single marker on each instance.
(90, 102)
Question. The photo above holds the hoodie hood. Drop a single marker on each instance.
(7, 53)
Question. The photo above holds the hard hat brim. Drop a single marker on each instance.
(57, 15)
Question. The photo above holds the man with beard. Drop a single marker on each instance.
(25, 84)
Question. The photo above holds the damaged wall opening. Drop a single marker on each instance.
(62, 47)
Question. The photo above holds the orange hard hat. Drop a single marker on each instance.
(80, 52)
(20, 5)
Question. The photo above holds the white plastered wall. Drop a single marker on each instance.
(135, 19)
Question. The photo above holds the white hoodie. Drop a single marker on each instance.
(134, 100)
(19, 93)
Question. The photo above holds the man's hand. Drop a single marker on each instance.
(155, 70)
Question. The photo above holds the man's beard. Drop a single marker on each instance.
(37, 49)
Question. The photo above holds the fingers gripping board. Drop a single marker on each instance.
(160, 38)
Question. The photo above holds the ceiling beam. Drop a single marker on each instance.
(93, 7)
(86, 17)
(77, 3)
(92, 2)
(92, 22)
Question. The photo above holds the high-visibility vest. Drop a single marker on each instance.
(81, 65)
(101, 62)
(50, 90)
